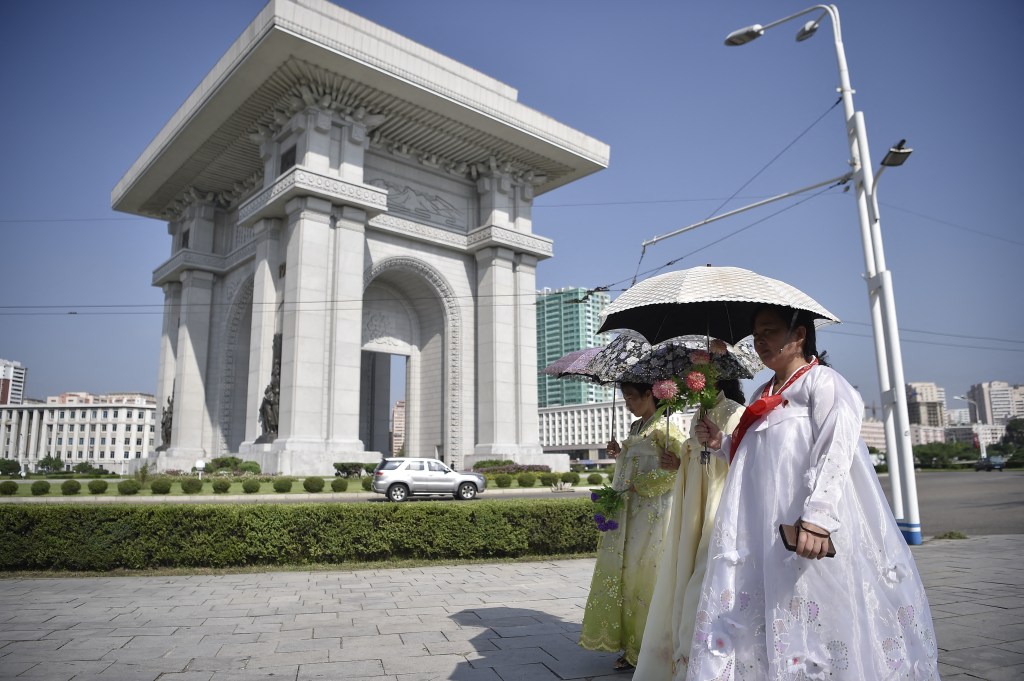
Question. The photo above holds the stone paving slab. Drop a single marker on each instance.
(492, 622)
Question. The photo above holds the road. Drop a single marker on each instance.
(969, 502)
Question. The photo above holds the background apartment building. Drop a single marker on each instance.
(568, 320)
(114, 431)
(12, 382)
(995, 402)
(926, 404)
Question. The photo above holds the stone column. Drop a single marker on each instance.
(191, 422)
(304, 333)
(35, 433)
(264, 322)
(527, 422)
(168, 348)
(496, 353)
(346, 332)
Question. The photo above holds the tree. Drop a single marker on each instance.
(941, 454)
(50, 464)
(9, 467)
(1014, 433)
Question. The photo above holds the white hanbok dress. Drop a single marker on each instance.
(766, 613)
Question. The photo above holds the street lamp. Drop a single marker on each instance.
(899, 453)
(977, 412)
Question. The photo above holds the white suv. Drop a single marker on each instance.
(400, 478)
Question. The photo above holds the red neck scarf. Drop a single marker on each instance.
(762, 406)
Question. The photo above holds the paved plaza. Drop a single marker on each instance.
(487, 622)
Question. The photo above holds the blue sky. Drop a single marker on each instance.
(689, 122)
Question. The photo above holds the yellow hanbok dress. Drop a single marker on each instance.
(627, 557)
(697, 490)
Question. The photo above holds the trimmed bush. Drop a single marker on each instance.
(526, 479)
(595, 479)
(191, 485)
(8, 487)
(283, 485)
(100, 537)
(548, 479)
(251, 486)
(313, 485)
(221, 486)
(492, 463)
(70, 487)
(367, 483)
(97, 486)
(129, 487)
(571, 477)
(160, 486)
(249, 467)
(9, 467)
(503, 480)
(40, 487)
(339, 485)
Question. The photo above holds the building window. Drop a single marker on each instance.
(126, 455)
(104, 413)
(138, 442)
(115, 413)
(184, 238)
(62, 414)
(287, 159)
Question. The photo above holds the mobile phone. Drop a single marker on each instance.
(789, 535)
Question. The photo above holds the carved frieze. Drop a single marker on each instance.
(303, 182)
(404, 200)
(518, 241)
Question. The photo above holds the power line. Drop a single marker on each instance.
(924, 342)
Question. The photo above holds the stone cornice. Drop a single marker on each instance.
(420, 232)
(493, 235)
(185, 260)
(301, 181)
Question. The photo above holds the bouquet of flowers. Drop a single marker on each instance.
(696, 388)
(609, 502)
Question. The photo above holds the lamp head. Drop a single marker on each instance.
(897, 155)
(744, 35)
(808, 29)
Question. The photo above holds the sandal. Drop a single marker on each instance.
(622, 664)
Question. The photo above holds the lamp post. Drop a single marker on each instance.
(899, 452)
(977, 411)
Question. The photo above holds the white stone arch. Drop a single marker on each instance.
(453, 342)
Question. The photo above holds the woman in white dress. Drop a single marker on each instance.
(797, 458)
(627, 556)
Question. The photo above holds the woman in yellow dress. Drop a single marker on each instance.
(698, 487)
(627, 556)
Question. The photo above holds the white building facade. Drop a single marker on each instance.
(583, 430)
(993, 403)
(115, 431)
(336, 193)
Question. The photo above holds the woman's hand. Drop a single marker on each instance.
(811, 540)
(613, 448)
(668, 460)
(708, 434)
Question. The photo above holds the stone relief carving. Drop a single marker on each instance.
(431, 207)
(454, 351)
(420, 231)
(379, 328)
(238, 296)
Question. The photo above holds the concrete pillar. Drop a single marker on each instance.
(527, 422)
(375, 416)
(265, 321)
(496, 353)
(304, 331)
(168, 349)
(191, 413)
(346, 330)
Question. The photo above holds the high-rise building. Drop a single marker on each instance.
(926, 404)
(397, 427)
(568, 320)
(992, 403)
(12, 382)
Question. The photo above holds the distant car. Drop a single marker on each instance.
(398, 479)
(990, 463)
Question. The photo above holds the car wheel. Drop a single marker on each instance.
(466, 491)
(398, 493)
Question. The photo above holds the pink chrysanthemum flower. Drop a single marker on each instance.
(719, 347)
(700, 357)
(695, 381)
(665, 390)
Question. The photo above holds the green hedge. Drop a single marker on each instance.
(136, 536)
